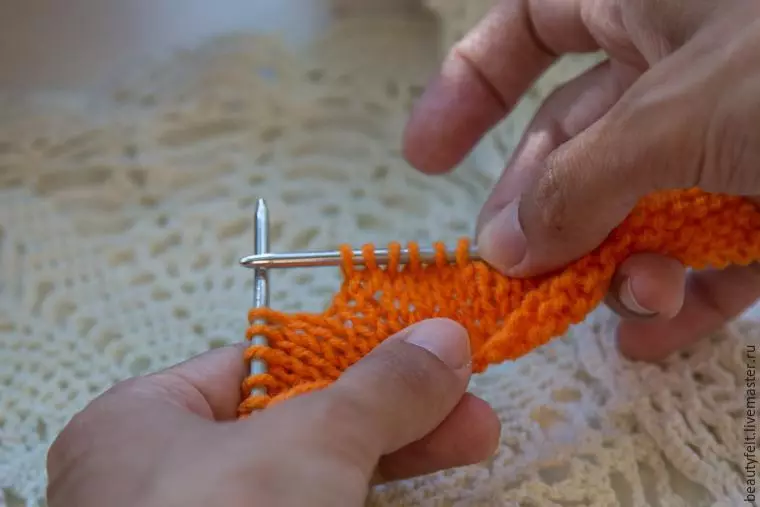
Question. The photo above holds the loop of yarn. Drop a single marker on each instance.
(505, 317)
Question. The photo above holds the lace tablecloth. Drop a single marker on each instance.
(122, 220)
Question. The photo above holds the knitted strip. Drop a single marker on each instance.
(505, 317)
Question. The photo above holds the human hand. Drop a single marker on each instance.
(676, 105)
(171, 438)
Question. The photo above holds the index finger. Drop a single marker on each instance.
(212, 378)
(487, 72)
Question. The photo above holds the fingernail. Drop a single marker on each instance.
(445, 339)
(502, 242)
(628, 299)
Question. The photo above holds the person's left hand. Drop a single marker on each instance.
(172, 438)
(674, 105)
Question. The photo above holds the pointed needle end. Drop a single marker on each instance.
(262, 210)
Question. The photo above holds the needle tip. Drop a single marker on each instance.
(262, 214)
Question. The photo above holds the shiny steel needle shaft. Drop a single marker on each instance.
(332, 258)
(260, 283)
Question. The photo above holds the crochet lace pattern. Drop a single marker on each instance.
(505, 317)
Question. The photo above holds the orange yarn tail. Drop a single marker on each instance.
(505, 317)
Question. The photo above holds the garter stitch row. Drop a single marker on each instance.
(505, 317)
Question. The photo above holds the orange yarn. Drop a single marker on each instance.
(506, 318)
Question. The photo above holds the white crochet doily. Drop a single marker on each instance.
(122, 220)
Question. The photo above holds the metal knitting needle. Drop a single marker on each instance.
(333, 258)
(260, 283)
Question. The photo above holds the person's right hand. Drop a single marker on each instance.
(676, 105)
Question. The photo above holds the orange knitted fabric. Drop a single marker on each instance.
(506, 318)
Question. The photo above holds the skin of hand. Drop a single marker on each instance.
(172, 438)
(675, 105)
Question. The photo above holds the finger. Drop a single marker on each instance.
(648, 286)
(712, 298)
(207, 384)
(469, 435)
(588, 185)
(399, 392)
(486, 73)
(567, 111)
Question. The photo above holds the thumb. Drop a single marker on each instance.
(404, 388)
(567, 203)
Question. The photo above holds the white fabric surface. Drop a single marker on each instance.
(122, 219)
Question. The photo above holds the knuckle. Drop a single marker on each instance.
(405, 372)
(75, 437)
(122, 387)
(673, 22)
(605, 20)
(338, 426)
(338, 403)
(732, 151)
(69, 443)
(401, 375)
(57, 452)
(465, 54)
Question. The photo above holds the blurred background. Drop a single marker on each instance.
(67, 45)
